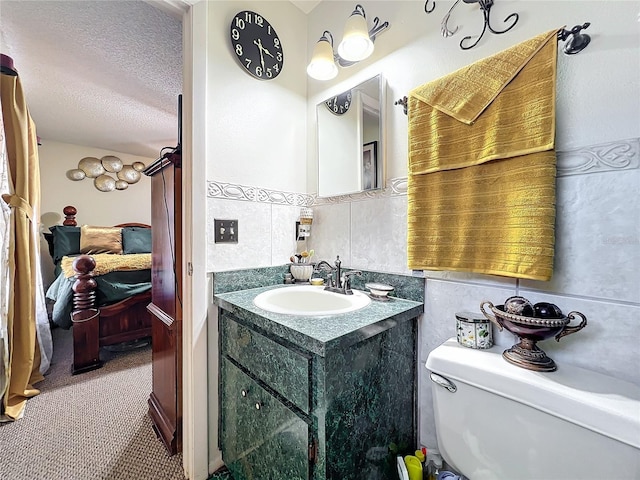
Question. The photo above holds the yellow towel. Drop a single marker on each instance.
(481, 186)
(108, 262)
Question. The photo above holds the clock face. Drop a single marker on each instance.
(340, 103)
(256, 45)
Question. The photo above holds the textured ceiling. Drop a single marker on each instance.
(104, 74)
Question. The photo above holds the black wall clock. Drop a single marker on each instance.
(256, 45)
(340, 103)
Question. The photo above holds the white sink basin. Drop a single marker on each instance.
(308, 300)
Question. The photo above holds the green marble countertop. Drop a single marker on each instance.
(320, 334)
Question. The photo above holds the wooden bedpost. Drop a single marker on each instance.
(69, 216)
(85, 317)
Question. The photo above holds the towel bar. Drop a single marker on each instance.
(575, 43)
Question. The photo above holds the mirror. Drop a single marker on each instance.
(350, 147)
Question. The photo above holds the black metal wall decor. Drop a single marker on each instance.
(485, 6)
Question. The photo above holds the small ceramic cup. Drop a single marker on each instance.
(302, 273)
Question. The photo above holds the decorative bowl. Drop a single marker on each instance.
(531, 330)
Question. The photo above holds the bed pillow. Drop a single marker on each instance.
(66, 241)
(100, 239)
(136, 240)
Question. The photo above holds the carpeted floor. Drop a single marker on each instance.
(92, 426)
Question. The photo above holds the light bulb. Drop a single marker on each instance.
(356, 44)
(322, 65)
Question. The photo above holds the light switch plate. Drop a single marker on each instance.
(226, 231)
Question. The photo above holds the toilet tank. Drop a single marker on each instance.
(506, 422)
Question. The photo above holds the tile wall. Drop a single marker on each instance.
(597, 269)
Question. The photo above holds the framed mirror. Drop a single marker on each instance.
(350, 140)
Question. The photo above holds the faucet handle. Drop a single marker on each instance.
(346, 281)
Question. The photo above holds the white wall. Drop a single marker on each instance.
(94, 207)
(252, 174)
(257, 138)
(257, 124)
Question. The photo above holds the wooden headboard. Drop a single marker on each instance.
(70, 221)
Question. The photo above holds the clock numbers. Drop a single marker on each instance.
(340, 103)
(256, 45)
(252, 17)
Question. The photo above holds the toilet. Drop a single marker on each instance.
(495, 420)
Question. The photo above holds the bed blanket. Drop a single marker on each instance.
(107, 262)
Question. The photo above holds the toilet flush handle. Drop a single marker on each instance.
(444, 382)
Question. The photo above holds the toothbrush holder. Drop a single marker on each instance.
(301, 273)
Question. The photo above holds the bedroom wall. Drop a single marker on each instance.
(597, 268)
(94, 207)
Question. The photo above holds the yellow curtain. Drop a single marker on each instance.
(24, 198)
(481, 184)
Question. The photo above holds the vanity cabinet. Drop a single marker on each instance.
(262, 437)
(291, 413)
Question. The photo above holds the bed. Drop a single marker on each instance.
(102, 286)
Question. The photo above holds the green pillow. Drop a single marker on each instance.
(66, 241)
(136, 240)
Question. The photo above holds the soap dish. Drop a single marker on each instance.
(379, 291)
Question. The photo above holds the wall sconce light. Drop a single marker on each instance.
(99, 169)
(356, 45)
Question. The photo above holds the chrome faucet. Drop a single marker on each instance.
(337, 282)
(322, 265)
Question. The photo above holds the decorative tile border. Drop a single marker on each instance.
(612, 156)
(395, 187)
(619, 155)
(256, 194)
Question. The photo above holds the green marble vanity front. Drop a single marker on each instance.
(315, 397)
